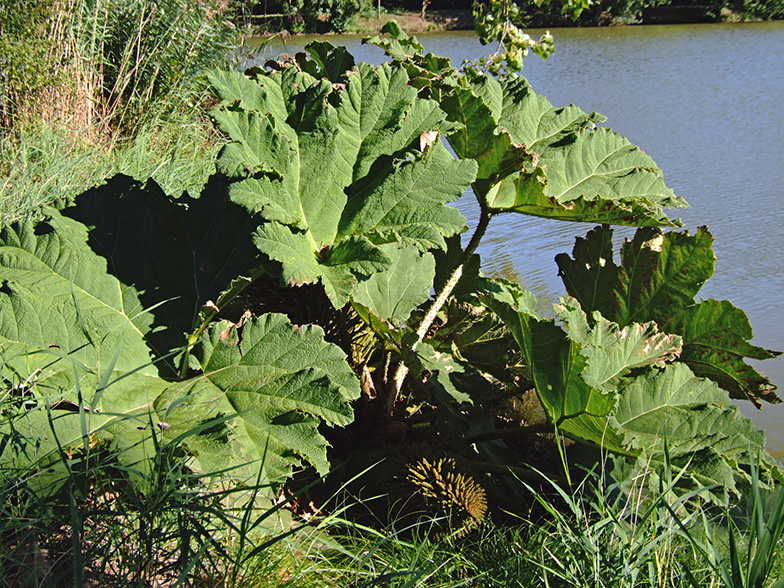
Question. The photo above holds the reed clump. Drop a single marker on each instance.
(106, 65)
(90, 88)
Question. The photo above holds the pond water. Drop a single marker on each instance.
(705, 102)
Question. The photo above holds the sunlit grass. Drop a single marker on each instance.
(43, 165)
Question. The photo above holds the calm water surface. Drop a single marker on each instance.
(705, 102)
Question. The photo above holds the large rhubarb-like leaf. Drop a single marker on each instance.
(326, 61)
(698, 423)
(460, 393)
(556, 366)
(597, 177)
(265, 388)
(591, 276)
(405, 199)
(612, 351)
(339, 268)
(659, 276)
(479, 137)
(72, 339)
(718, 335)
(342, 173)
(472, 334)
(177, 253)
(660, 272)
(615, 388)
(578, 372)
(544, 161)
(57, 294)
(533, 121)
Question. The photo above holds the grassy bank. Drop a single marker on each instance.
(45, 165)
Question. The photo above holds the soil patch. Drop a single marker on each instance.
(413, 23)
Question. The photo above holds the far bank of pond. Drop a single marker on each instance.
(704, 102)
(440, 20)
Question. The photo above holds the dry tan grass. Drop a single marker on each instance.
(413, 23)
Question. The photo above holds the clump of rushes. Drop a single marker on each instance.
(452, 494)
(107, 66)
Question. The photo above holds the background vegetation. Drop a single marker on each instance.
(339, 15)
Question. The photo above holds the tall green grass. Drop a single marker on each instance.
(750, 554)
(107, 65)
(164, 524)
(90, 88)
(96, 513)
(42, 165)
(595, 533)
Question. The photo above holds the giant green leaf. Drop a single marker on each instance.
(338, 267)
(406, 200)
(534, 158)
(697, 421)
(177, 253)
(589, 174)
(578, 372)
(382, 115)
(717, 335)
(254, 93)
(327, 61)
(430, 74)
(613, 387)
(544, 161)
(448, 373)
(533, 121)
(57, 294)
(479, 136)
(397, 44)
(661, 272)
(268, 156)
(594, 176)
(579, 173)
(658, 278)
(611, 351)
(265, 388)
(556, 367)
(342, 173)
(72, 339)
(460, 391)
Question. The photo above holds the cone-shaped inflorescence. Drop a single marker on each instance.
(453, 494)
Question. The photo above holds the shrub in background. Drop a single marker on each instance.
(324, 16)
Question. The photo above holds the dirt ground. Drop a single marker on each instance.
(412, 23)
